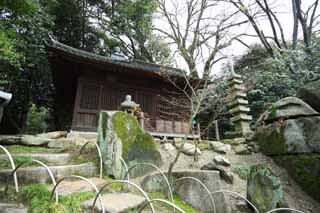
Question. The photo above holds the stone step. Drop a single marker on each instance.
(12, 208)
(72, 187)
(117, 202)
(40, 174)
(56, 159)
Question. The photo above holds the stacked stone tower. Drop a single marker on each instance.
(238, 106)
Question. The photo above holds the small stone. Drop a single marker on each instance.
(242, 206)
(241, 150)
(220, 160)
(168, 147)
(34, 140)
(220, 147)
(224, 149)
(189, 149)
(215, 144)
(238, 141)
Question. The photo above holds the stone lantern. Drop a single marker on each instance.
(128, 105)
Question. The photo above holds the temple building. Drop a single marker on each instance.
(87, 83)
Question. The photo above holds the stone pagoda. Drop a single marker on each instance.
(238, 106)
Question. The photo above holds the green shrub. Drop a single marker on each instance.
(37, 120)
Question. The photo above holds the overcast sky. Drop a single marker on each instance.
(283, 9)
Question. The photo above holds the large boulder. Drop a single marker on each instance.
(119, 135)
(300, 135)
(310, 93)
(190, 190)
(264, 189)
(289, 107)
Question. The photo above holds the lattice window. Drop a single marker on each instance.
(145, 101)
(165, 110)
(109, 98)
(89, 96)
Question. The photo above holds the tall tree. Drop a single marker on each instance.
(263, 10)
(129, 23)
(72, 25)
(24, 25)
(198, 31)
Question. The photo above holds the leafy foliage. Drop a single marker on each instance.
(37, 119)
(270, 79)
(25, 72)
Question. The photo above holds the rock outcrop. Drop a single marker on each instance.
(290, 107)
(119, 135)
(290, 132)
(292, 136)
(310, 93)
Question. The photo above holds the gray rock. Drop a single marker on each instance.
(225, 174)
(264, 189)
(237, 141)
(66, 188)
(168, 147)
(117, 202)
(301, 135)
(57, 159)
(188, 149)
(31, 140)
(220, 147)
(220, 160)
(290, 107)
(53, 135)
(12, 208)
(61, 143)
(40, 174)
(310, 94)
(190, 190)
(215, 144)
(10, 139)
(241, 150)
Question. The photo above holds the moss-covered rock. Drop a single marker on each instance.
(305, 170)
(137, 146)
(292, 136)
(264, 189)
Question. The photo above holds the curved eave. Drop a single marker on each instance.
(140, 68)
